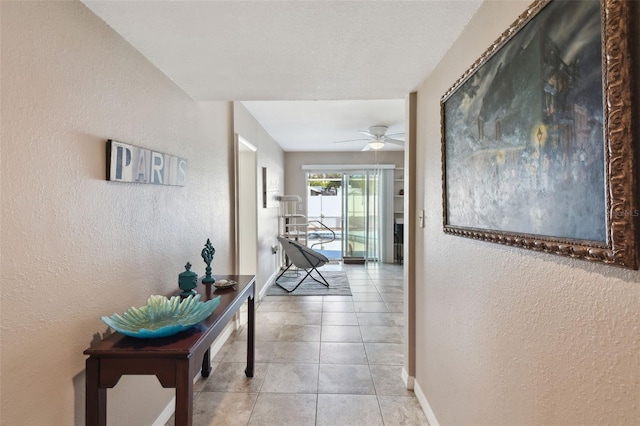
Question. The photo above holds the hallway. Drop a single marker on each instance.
(320, 360)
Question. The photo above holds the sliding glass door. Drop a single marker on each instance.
(364, 229)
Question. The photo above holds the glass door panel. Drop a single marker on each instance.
(360, 215)
(373, 215)
(324, 213)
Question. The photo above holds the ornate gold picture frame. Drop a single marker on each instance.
(537, 142)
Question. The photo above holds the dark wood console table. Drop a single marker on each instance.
(174, 360)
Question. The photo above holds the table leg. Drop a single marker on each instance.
(184, 394)
(206, 364)
(251, 323)
(96, 397)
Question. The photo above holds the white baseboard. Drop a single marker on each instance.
(407, 379)
(268, 284)
(166, 414)
(168, 411)
(422, 399)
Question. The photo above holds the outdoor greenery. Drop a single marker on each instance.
(330, 183)
(325, 180)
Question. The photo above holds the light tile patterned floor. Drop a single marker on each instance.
(320, 360)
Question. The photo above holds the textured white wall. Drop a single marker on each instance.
(74, 246)
(505, 335)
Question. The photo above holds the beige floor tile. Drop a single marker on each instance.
(223, 409)
(237, 352)
(337, 299)
(339, 318)
(305, 299)
(384, 353)
(273, 409)
(341, 333)
(387, 380)
(395, 307)
(342, 353)
(277, 299)
(272, 318)
(219, 356)
(402, 411)
(346, 379)
(291, 378)
(370, 307)
(399, 318)
(383, 278)
(358, 278)
(362, 286)
(264, 333)
(306, 306)
(381, 334)
(356, 290)
(271, 306)
(303, 318)
(202, 381)
(392, 298)
(348, 410)
(355, 275)
(230, 377)
(376, 318)
(296, 352)
(367, 297)
(386, 290)
(299, 333)
(388, 278)
(339, 306)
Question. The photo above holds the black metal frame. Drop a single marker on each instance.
(312, 265)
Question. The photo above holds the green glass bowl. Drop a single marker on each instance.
(162, 317)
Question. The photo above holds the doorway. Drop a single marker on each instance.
(350, 212)
(247, 208)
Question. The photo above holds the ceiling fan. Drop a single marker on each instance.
(377, 138)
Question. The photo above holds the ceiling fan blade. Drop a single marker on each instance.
(395, 141)
(366, 148)
(367, 133)
(352, 140)
(390, 135)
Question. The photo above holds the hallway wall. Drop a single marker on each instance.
(506, 335)
(74, 246)
(271, 156)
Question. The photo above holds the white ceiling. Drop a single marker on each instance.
(317, 125)
(332, 67)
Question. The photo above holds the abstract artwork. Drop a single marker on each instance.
(537, 142)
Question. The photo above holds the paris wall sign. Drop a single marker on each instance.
(128, 163)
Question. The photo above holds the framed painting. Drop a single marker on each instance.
(537, 143)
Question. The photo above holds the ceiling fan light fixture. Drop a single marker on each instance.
(376, 145)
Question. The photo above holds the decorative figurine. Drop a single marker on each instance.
(187, 281)
(207, 254)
